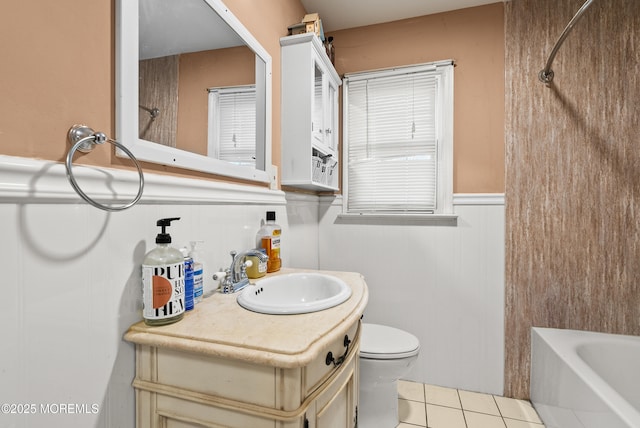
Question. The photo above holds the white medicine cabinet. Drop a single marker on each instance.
(309, 114)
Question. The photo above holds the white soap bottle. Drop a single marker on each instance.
(163, 280)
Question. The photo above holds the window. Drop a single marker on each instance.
(398, 135)
(232, 124)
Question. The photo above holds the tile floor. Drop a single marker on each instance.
(421, 405)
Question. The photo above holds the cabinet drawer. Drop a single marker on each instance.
(318, 370)
(176, 413)
(217, 377)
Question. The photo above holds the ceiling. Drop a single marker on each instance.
(341, 14)
(169, 27)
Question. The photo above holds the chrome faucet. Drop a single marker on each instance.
(235, 277)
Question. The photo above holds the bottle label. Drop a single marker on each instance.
(275, 242)
(262, 267)
(271, 244)
(197, 280)
(272, 247)
(188, 283)
(162, 291)
(275, 245)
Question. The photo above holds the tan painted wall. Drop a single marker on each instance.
(474, 38)
(195, 77)
(573, 175)
(58, 69)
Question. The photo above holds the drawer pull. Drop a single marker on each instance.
(336, 362)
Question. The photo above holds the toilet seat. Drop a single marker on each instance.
(381, 342)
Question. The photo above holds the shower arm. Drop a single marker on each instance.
(153, 112)
(546, 75)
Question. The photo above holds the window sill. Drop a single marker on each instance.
(399, 219)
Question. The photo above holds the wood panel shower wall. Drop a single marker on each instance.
(158, 87)
(572, 174)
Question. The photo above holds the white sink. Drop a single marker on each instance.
(294, 293)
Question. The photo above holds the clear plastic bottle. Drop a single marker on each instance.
(163, 280)
(198, 272)
(269, 238)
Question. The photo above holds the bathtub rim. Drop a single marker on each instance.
(565, 343)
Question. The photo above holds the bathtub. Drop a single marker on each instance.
(582, 379)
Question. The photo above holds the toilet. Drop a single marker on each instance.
(386, 355)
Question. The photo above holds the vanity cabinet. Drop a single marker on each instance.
(224, 366)
(309, 115)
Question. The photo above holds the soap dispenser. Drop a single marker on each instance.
(163, 280)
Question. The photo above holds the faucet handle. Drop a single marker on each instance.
(223, 279)
(219, 276)
(235, 277)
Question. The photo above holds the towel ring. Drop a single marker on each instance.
(85, 139)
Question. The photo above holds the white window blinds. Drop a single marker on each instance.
(393, 135)
(232, 124)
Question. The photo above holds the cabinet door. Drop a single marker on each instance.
(331, 116)
(324, 122)
(336, 406)
(340, 411)
(317, 109)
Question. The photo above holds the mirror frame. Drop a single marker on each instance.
(127, 74)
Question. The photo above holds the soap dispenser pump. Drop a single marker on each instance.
(163, 280)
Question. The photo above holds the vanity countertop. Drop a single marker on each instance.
(219, 326)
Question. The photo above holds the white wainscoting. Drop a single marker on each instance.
(444, 284)
(302, 215)
(71, 278)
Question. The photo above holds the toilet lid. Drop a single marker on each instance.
(382, 342)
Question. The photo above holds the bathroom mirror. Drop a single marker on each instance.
(171, 54)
